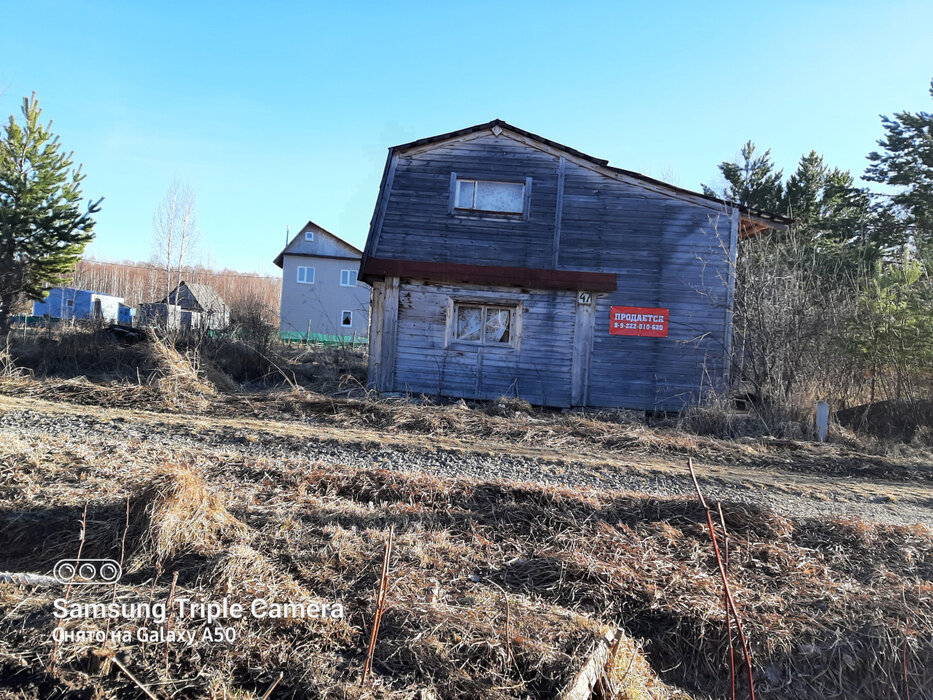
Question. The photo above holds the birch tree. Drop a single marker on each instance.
(175, 233)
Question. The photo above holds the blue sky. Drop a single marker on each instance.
(276, 113)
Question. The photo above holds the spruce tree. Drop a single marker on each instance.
(43, 229)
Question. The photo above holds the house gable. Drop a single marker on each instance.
(496, 149)
(323, 244)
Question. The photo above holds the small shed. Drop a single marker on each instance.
(504, 263)
(79, 304)
(189, 306)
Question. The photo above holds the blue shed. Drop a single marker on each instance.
(126, 315)
(79, 304)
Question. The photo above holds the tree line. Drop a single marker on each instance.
(140, 282)
(841, 304)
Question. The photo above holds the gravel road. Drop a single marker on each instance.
(289, 444)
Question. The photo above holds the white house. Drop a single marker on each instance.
(322, 300)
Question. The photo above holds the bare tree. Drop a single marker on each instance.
(175, 233)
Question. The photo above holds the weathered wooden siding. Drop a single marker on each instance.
(666, 250)
(538, 369)
(418, 225)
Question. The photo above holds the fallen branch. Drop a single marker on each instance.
(134, 679)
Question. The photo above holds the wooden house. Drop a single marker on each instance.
(503, 263)
(189, 306)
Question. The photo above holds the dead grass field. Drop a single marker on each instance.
(498, 588)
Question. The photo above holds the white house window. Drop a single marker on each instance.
(348, 278)
(305, 275)
(309, 235)
(490, 196)
(486, 325)
(346, 319)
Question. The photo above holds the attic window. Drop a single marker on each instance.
(309, 235)
(490, 196)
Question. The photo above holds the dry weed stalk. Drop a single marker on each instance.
(67, 593)
(725, 602)
(168, 618)
(8, 368)
(380, 605)
(133, 678)
(126, 529)
(265, 696)
(727, 592)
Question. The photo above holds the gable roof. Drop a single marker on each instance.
(205, 296)
(291, 247)
(752, 221)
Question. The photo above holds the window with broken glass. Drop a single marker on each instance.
(483, 324)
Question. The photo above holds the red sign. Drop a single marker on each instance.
(638, 320)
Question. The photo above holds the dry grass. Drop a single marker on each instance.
(205, 375)
(497, 590)
(177, 376)
(176, 514)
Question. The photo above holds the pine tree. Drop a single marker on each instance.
(906, 164)
(43, 230)
(752, 182)
(833, 217)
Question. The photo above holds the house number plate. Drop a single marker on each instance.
(584, 298)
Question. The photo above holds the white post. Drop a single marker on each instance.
(822, 420)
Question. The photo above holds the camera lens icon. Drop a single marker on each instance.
(87, 572)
